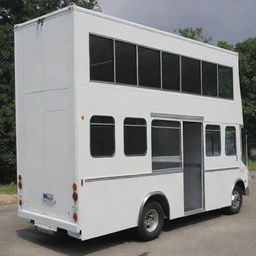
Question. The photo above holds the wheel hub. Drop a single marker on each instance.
(236, 199)
(151, 220)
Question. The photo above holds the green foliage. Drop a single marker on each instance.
(225, 45)
(8, 189)
(13, 12)
(252, 165)
(194, 33)
(247, 69)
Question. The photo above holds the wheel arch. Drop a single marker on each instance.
(161, 198)
(240, 183)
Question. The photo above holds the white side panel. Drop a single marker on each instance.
(171, 102)
(219, 186)
(113, 205)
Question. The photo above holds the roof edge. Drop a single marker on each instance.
(126, 22)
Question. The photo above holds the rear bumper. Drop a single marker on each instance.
(47, 222)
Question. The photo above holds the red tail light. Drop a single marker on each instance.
(19, 177)
(20, 185)
(75, 196)
(20, 202)
(74, 186)
(75, 217)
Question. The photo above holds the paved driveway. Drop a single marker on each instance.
(204, 234)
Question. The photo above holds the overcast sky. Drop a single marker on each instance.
(230, 20)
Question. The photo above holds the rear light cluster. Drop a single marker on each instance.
(75, 198)
(20, 187)
(74, 195)
(75, 217)
(20, 182)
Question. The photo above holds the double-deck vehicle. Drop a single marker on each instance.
(120, 125)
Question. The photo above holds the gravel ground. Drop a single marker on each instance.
(205, 234)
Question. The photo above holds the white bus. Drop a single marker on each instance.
(120, 125)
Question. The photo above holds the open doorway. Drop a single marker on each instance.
(193, 171)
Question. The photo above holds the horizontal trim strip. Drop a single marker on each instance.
(196, 211)
(163, 172)
(180, 117)
(221, 169)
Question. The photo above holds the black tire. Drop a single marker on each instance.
(236, 202)
(147, 232)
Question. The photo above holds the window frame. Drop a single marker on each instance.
(220, 140)
(161, 77)
(200, 75)
(217, 79)
(89, 54)
(218, 82)
(179, 74)
(146, 137)
(115, 63)
(151, 86)
(179, 128)
(230, 126)
(114, 136)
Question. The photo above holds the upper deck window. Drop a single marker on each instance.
(170, 71)
(191, 77)
(101, 59)
(126, 69)
(121, 62)
(209, 76)
(225, 75)
(149, 67)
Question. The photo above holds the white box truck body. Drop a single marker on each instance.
(66, 182)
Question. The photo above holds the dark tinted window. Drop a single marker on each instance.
(126, 70)
(166, 151)
(230, 140)
(191, 78)
(213, 140)
(101, 59)
(170, 71)
(149, 67)
(135, 136)
(225, 75)
(102, 136)
(209, 75)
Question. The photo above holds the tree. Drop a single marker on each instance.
(13, 12)
(247, 70)
(225, 45)
(194, 33)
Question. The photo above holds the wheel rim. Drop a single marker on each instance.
(236, 199)
(151, 220)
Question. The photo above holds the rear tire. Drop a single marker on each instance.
(236, 201)
(151, 221)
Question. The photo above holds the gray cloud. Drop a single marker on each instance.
(230, 20)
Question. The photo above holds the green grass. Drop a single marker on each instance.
(8, 189)
(252, 165)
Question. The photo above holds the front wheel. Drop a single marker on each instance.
(236, 201)
(151, 221)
